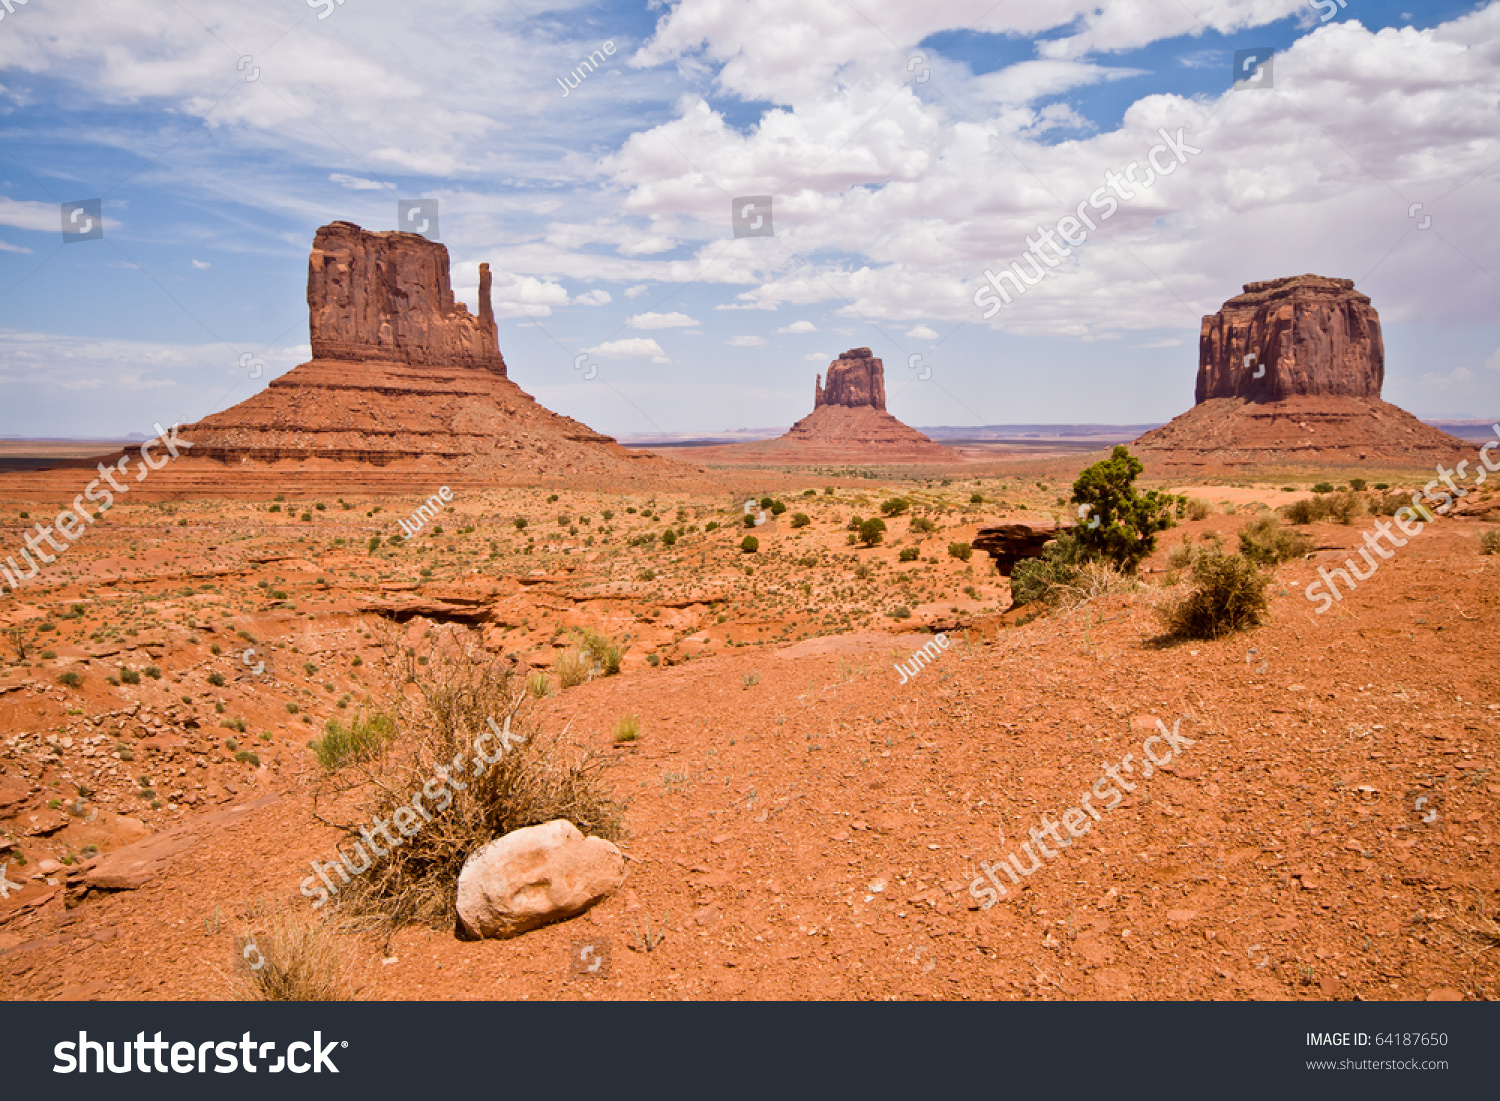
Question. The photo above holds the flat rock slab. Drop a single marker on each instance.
(137, 864)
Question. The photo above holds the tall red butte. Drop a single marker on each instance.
(849, 423)
(405, 386)
(1289, 372)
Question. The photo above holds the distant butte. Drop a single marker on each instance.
(849, 423)
(1290, 371)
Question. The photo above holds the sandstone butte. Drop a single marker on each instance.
(849, 423)
(405, 389)
(1289, 372)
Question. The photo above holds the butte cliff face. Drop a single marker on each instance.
(1305, 336)
(387, 296)
(849, 423)
(405, 385)
(1291, 371)
(855, 379)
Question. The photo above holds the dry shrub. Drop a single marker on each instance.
(1228, 594)
(1345, 507)
(1267, 542)
(1308, 511)
(537, 779)
(572, 668)
(291, 959)
(1489, 541)
(1198, 509)
(1090, 581)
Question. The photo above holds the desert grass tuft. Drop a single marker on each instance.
(292, 959)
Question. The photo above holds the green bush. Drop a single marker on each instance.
(750, 544)
(1357, 484)
(749, 520)
(923, 525)
(1228, 594)
(871, 531)
(1266, 542)
(910, 554)
(962, 551)
(777, 508)
(1308, 511)
(1323, 487)
(800, 520)
(1128, 520)
(712, 525)
(900, 611)
(362, 739)
(1038, 580)
(70, 679)
(894, 506)
(1345, 507)
(976, 498)
(668, 538)
(129, 675)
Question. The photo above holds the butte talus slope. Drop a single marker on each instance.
(1289, 372)
(405, 385)
(849, 423)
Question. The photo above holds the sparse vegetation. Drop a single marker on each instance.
(1227, 594)
(1266, 542)
(361, 740)
(628, 729)
(292, 959)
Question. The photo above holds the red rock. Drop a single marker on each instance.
(387, 296)
(1008, 543)
(406, 391)
(855, 379)
(1310, 336)
(849, 423)
(1315, 344)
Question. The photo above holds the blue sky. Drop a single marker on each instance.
(907, 149)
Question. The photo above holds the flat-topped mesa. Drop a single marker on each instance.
(1304, 336)
(387, 296)
(855, 379)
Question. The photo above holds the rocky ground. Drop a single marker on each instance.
(801, 823)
